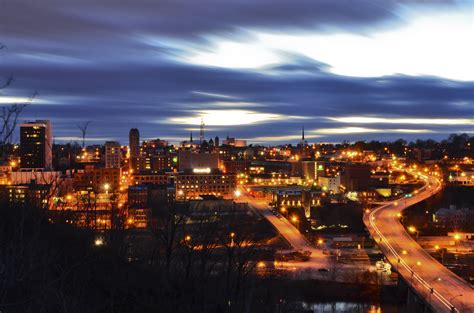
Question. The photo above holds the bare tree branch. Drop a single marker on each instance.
(9, 118)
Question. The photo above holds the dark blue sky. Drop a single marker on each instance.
(257, 70)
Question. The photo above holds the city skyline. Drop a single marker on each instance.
(346, 73)
(237, 156)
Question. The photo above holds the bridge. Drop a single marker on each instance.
(440, 289)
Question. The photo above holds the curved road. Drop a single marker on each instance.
(446, 291)
(294, 237)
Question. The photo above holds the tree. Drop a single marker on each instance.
(9, 114)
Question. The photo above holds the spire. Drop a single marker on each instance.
(302, 134)
(191, 137)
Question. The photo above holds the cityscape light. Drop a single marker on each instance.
(98, 242)
(174, 208)
(206, 170)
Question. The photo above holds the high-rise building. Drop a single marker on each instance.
(355, 177)
(113, 154)
(134, 144)
(36, 141)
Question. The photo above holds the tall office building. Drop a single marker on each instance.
(36, 142)
(134, 144)
(113, 154)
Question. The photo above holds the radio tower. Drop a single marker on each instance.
(201, 133)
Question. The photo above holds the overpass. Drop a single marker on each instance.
(440, 288)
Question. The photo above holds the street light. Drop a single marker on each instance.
(106, 187)
(295, 220)
(413, 230)
(457, 237)
(98, 241)
(453, 308)
(431, 288)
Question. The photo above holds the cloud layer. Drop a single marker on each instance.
(253, 69)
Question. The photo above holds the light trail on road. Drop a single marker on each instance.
(427, 276)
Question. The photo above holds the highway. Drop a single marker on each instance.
(446, 291)
(294, 237)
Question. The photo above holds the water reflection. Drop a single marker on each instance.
(339, 307)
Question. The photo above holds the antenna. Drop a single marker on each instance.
(201, 133)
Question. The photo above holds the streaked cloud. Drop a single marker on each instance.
(170, 63)
(284, 138)
(363, 130)
(229, 118)
(213, 95)
(79, 139)
(401, 121)
(430, 43)
(37, 100)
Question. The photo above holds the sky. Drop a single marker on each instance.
(253, 69)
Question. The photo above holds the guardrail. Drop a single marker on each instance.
(400, 260)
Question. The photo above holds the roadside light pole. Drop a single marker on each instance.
(431, 293)
(457, 237)
(453, 308)
(295, 220)
(431, 290)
